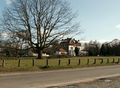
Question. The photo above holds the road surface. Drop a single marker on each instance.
(54, 78)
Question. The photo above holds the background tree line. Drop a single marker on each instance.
(112, 48)
(94, 48)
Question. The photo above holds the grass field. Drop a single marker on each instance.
(10, 64)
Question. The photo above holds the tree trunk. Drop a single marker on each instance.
(39, 54)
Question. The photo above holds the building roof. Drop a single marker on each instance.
(71, 41)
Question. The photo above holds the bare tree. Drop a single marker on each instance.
(41, 21)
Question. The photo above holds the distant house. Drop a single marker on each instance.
(61, 51)
(69, 45)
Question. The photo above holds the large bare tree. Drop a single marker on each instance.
(40, 22)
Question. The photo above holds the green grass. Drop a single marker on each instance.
(26, 63)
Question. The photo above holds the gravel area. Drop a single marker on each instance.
(100, 83)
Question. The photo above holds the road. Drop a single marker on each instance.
(58, 77)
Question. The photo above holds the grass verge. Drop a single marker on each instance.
(23, 64)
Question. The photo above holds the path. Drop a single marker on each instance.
(53, 78)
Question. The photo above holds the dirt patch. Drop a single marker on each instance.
(100, 83)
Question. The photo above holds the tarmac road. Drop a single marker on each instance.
(57, 77)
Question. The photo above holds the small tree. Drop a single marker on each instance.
(76, 51)
(93, 48)
(42, 21)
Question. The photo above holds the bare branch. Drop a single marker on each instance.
(40, 22)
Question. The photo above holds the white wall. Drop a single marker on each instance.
(71, 50)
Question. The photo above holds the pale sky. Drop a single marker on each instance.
(99, 19)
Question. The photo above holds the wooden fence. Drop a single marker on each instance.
(69, 62)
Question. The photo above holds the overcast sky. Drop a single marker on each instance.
(99, 19)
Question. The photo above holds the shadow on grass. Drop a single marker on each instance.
(44, 67)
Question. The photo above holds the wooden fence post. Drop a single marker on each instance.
(79, 62)
(107, 60)
(118, 60)
(101, 61)
(68, 61)
(18, 62)
(33, 62)
(47, 62)
(59, 62)
(3, 63)
(94, 61)
(113, 60)
(88, 61)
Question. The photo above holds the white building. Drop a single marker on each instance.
(69, 45)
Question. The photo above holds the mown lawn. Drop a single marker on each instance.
(10, 64)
